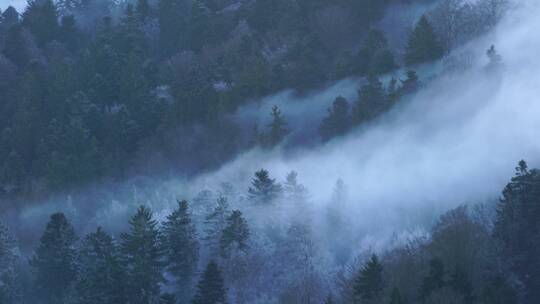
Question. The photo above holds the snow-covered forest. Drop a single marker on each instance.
(269, 151)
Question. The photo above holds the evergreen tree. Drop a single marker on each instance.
(495, 60)
(329, 299)
(9, 254)
(101, 276)
(142, 257)
(168, 299)
(517, 228)
(423, 45)
(211, 289)
(172, 25)
(498, 291)
(181, 244)
(369, 283)
(410, 85)
(41, 19)
(215, 223)
(53, 262)
(293, 190)
(15, 46)
(277, 127)
(235, 235)
(435, 280)
(395, 297)
(142, 10)
(264, 190)
(375, 57)
(9, 18)
(372, 101)
(338, 120)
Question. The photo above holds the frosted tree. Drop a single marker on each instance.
(143, 258)
(9, 253)
(53, 262)
(293, 190)
(214, 225)
(235, 235)
(181, 245)
(264, 190)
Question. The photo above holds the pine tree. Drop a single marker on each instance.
(264, 190)
(211, 289)
(395, 297)
(181, 244)
(9, 254)
(372, 101)
(215, 223)
(277, 127)
(142, 257)
(338, 120)
(410, 85)
(495, 60)
(293, 190)
(329, 299)
(142, 10)
(423, 45)
(15, 46)
(369, 284)
(517, 228)
(101, 276)
(172, 25)
(375, 57)
(235, 235)
(168, 299)
(41, 19)
(53, 262)
(435, 280)
(9, 18)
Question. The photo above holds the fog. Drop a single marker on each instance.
(455, 142)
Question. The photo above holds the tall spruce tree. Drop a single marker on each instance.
(41, 19)
(181, 244)
(101, 275)
(517, 228)
(423, 45)
(264, 190)
(143, 258)
(369, 284)
(211, 288)
(372, 101)
(338, 120)
(53, 262)
(235, 235)
(215, 223)
(278, 129)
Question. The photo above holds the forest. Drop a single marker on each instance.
(269, 151)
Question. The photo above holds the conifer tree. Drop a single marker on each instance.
(395, 297)
(264, 190)
(53, 262)
(372, 101)
(277, 127)
(181, 244)
(215, 223)
(101, 276)
(235, 235)
(369, 284)
(423, 45)
(338, 120)
(9, 254)
(517, 228)
(172, 23)
(211, 288)
(436, 278)
(293, 190)
(41, 19)
(410, 85)
(142, 255)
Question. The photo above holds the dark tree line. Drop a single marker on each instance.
(90, 87)
(465, 259)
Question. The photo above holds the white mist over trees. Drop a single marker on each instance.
(392, 198)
